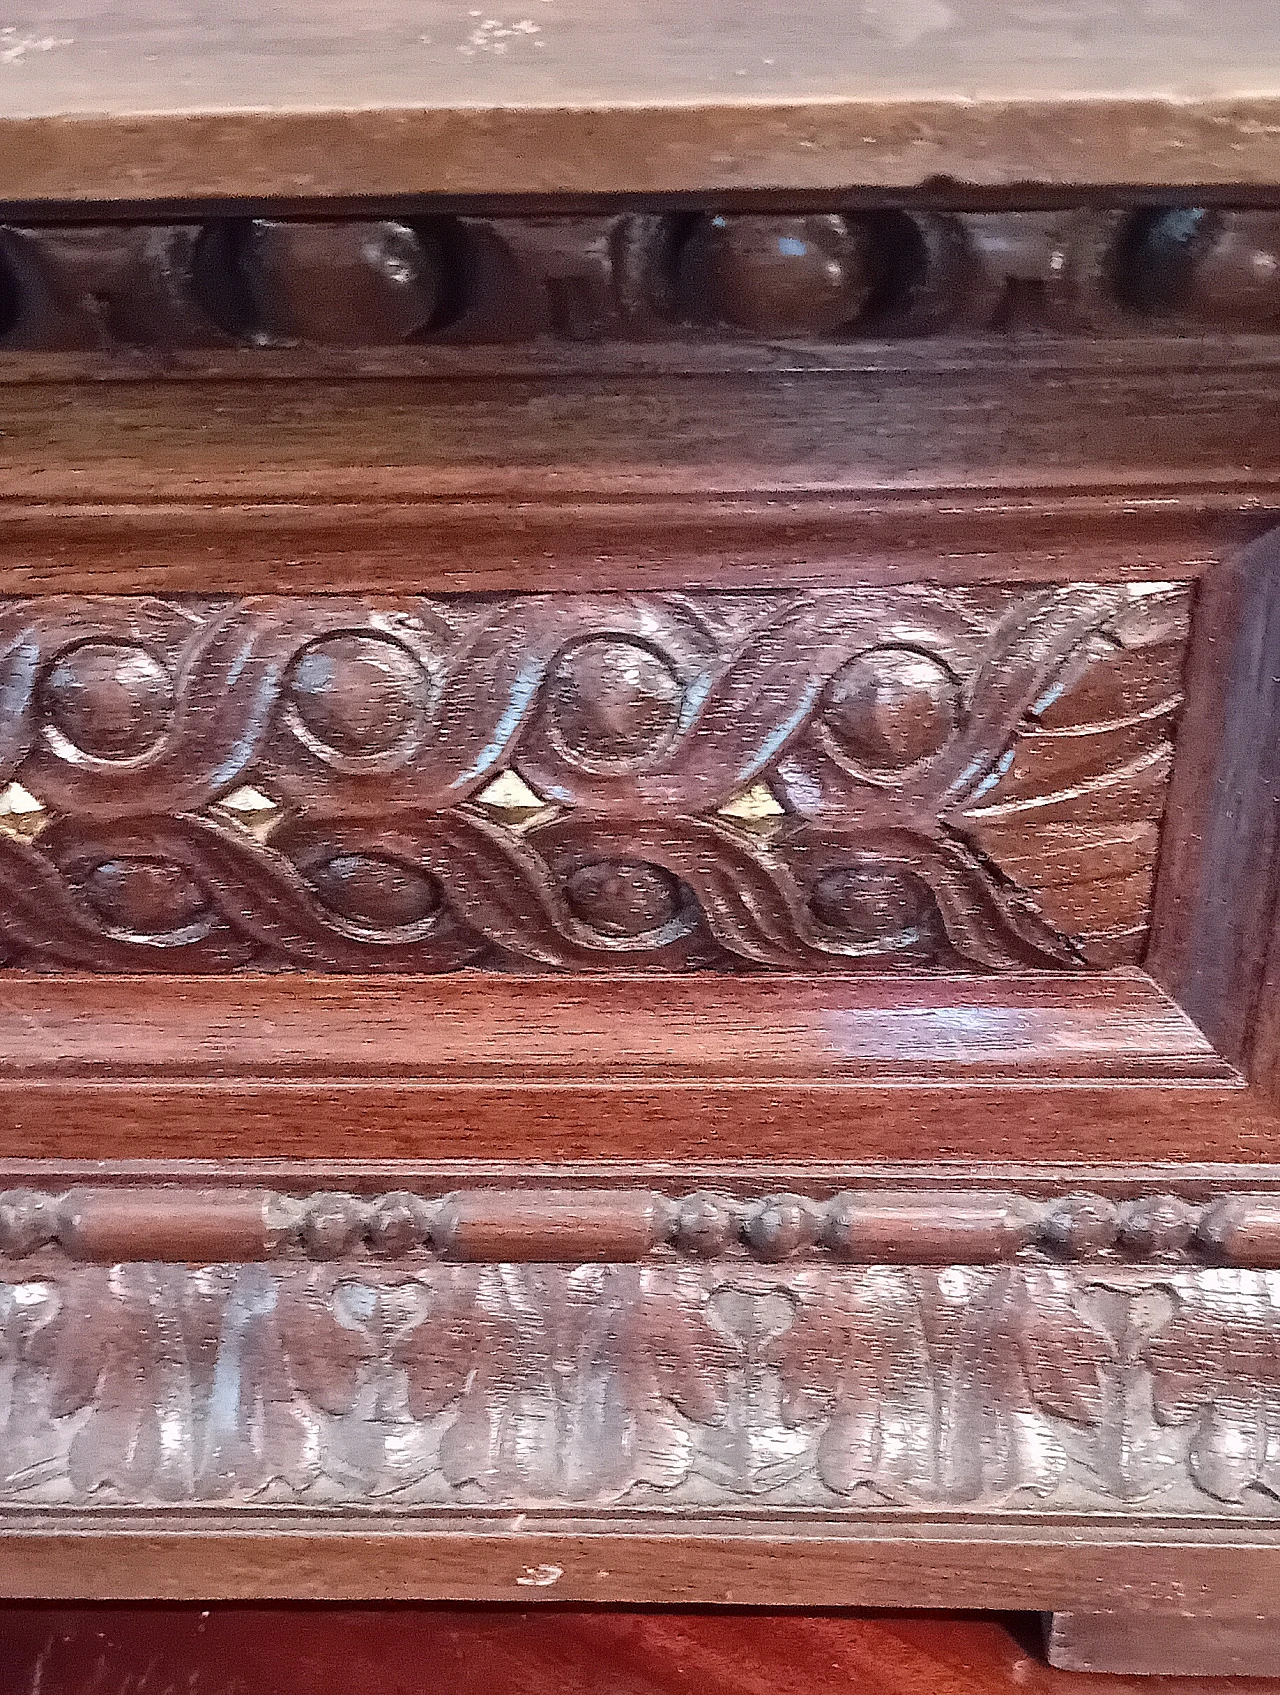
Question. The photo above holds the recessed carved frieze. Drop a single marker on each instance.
(1012, 1388)
(410, 280)
(968, 779)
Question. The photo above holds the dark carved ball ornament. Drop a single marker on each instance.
(873, 907)
(339, 283)
(624, 897)
(144, 896)
(612, 703)
(377, 890)
(107, 699)
(359, 696)
(793, 275)
(891, 707)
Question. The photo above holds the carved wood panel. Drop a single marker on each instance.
(1028, 1387)
(915, 778)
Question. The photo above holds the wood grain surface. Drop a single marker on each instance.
(572, 96)
(239, 1650)
(1215, 942)
(127, 1221)
(1038, 1394)
(945, 1068)
(1213, 1569)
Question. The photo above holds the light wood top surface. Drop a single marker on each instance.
(144, 99)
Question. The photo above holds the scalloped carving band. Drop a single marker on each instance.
(411, 281)
(908, 778)
(618, 1226)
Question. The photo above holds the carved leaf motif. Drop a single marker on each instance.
(562, 1385)
(799, 1385)
(857, 1359)
(1216, 1366)
(1070, 812)
(1062, 1354)
(648, 1367)
(152, 1331)
(32, 1446)
(757, 1448)
(282, 1357)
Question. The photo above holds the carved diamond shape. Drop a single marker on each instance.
(756, 808)
(510, 799)
(21, 814)
(249, 809)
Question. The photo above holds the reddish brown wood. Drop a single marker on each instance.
(822, 781)
(1231, 1572)
(1104, 1069)
(718, 1287)
(203, 1225)
(1215, 933)
(587, 539)
(130, 1221)
(709, 280)
(1036, 1394)
(101, 1650)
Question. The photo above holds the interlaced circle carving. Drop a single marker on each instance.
(970, 778)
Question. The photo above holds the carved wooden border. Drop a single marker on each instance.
(1027, 1388)
(824, 780)
(988, 1226)
(416, 279)
(1055, 1368)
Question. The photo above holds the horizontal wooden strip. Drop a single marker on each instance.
(510, 1032)
(918, 1069)
(763, 1560)
(428, 98)
(727, 145)
(157, 1224)
(445, 541)
(911, 427)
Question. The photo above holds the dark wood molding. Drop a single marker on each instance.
(638, 832)
(701, 279)
(1068, 1067)
(1214, 942)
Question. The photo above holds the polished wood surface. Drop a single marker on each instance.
(237, 1650)
(574, 96)
(651, 285)
(1215, 943)
(930, 1069)
(287, 1359)
(724, 664)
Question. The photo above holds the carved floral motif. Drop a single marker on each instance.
(988, 1388)
(802, 781)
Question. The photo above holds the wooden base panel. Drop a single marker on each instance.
(1165, 1644)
